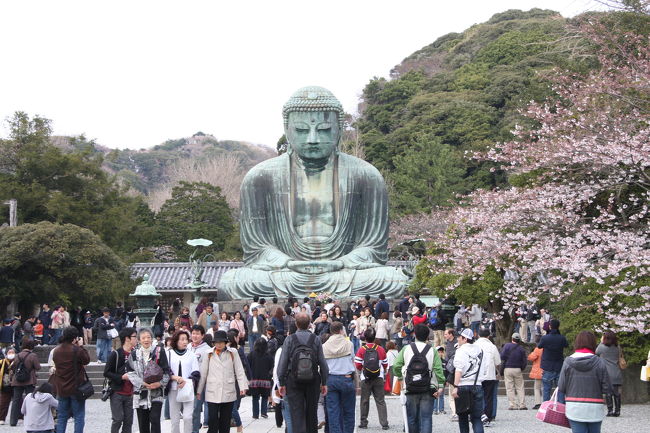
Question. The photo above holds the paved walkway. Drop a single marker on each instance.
(635, 419)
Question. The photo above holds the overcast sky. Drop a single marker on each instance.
(135, 73)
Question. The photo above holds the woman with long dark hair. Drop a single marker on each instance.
(262, 372)
(278, 321)
(583, 381)
(610, 352)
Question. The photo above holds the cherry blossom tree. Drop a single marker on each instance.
(577, 212)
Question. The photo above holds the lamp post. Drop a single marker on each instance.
(145, 295)
(196, 267)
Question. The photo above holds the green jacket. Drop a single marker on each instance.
(403, 360)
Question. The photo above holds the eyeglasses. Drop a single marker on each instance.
(133, 336)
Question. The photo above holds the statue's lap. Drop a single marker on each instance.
(247, 282)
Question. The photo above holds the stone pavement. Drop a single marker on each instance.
(634, 419)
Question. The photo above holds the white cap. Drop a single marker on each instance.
(467, 333)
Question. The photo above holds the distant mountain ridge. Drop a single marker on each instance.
(145, 170)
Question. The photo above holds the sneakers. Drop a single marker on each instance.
(536, 406)
(435, 412)
(264, 415)
(454, 418)
(363, 426)
(2, 422)
(321, 425)
(484, 418)
(385, 427)
(443, 412)
(523, 408)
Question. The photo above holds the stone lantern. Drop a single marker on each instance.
(146, 295)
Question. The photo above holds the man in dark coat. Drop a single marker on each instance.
(553, 344)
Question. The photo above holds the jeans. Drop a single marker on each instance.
(419, 408)
(286, 414)
(356, 344)
(259, 400)
(376, 388)
(439, 403)
(196, 414)
(475, 412)
(549, 381)
(219, 417)
(489, 396)
(252, 338)
(55, 334)
(585, 427)
(71, 407)
(474, 327)
(532, 330)
(17, 402)
(340, 402)
(121, 413)
(103, 349)
(235, 412)
(149, 419)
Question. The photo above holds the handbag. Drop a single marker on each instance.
(186, 393)
(85, 389)
(552, 412)
(112, 333)
(153, 372)
(622, 363)
(645, 373)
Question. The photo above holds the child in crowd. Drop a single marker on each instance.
(37, 409)
(38, 331)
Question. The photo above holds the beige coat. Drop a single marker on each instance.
(218, 376)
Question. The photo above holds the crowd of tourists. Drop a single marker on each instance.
(304, 362)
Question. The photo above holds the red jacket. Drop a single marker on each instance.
(419, 319)
(361, 353)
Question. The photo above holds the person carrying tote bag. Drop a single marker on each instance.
(184, 369)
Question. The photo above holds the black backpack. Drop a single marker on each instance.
(303, 361)
(22, 373)
(370, 363)
(418, 375)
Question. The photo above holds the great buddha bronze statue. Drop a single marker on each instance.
(313, 219)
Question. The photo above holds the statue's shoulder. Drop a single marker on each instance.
(265, 169)
(359, 165)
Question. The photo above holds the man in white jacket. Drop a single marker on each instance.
(468, 363)
(200, 350)
(490, 383)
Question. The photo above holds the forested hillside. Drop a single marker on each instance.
(460, 94)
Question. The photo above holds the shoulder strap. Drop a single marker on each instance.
(478, 371)
(311, 339)
(414, 348)
(426, 349)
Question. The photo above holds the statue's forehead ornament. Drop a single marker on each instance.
(313, 99)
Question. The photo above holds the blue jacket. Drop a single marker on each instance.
(6, 334)
(553, 344)
(513, 356)
(381, 307)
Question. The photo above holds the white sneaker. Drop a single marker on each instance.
(2, 422)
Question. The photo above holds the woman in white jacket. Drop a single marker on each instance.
(184, 368)
(222, 378)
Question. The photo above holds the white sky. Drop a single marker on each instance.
(132, 74)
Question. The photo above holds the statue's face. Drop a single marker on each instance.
(313, 135)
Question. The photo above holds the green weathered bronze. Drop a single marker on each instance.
(314, 219)
(145, 295)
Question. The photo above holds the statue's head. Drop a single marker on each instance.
(313, 121)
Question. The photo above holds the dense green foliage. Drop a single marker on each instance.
(461, 92)
(196, 210)
(67, 187)
(59, 263)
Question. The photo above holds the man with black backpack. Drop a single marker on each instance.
(421, 368)
(302, 373)
(372, 362)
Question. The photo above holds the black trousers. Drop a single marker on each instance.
(488, 397)
(149, 419)
(17, 402)
(219, 415)
(303, 403)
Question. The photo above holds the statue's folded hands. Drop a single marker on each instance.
(313, 267)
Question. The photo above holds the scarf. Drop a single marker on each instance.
(337, 346)
(585, 351)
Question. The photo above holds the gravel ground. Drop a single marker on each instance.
(634, 419)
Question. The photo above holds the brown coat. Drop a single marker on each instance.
(64, 379)
(31, 362)
(536, 358)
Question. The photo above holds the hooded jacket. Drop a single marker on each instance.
(583, 381)
(37, 411)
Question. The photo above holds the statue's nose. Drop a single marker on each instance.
(313, 136)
